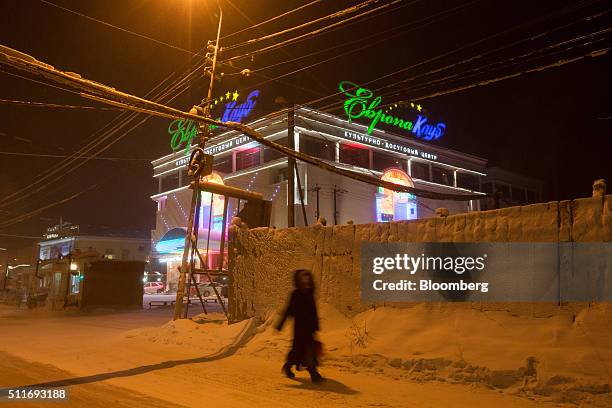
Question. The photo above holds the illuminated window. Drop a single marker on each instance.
(75, 283)
(217, 205)
(247, 158)
(355, 155)
(395, 206)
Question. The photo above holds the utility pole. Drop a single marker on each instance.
(200, 164)
(291, 170)
(317, 189)
(336, 191)
(335, 206)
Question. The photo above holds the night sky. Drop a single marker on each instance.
(554, 125)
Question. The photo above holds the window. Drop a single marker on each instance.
(247, 158)
(170, 181)
(518, 194)
(223, 164)
(468, 181)
(316, 147)
(184, 177)
(382, 161)
(356, 156)
(504, 189)
(441, 175)
(271, 154)
(75, 283)
(57, 281)
(419, 170)
(487, 187)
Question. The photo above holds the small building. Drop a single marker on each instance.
(65, 237)
(87, 280)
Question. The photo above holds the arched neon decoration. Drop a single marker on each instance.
(395, 206)
(172, 242)
(217, 205)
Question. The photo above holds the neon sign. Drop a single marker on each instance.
(183, 131)
(361, 103)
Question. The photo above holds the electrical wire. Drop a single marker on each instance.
(182, 81)
(32, 104)
(146, 37)
(450, 52)
(334, 15)
(512, 61)
(63, 156)
(312, 3)
(434, 18)
(37, 211)
(317, 31)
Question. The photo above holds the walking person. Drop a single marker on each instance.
(304, 350)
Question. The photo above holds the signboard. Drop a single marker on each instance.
(182, 131)
(361, 103)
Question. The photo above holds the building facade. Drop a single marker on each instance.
(243, 163)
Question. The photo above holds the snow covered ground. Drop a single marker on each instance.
(425, 356)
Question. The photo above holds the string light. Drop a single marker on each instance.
(180, 206)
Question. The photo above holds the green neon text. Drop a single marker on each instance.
(362, 103)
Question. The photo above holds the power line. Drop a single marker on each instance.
(93, 144)
(451, 52)
(596, 53)
(316, 31)
(78, 157)
(510, 62)
(118, 28)
(31, 214)
(33, 104)
(433, 19)
(112, 96)
(312, 3)
(334, 15)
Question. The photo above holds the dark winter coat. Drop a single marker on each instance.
(303, 309)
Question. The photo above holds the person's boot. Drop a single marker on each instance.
(315, 377)
(287, 370)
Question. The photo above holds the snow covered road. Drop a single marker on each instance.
(103, 358)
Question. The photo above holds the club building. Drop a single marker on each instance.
(398, 157)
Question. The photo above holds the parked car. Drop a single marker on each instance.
(206, 289)
(153, 287)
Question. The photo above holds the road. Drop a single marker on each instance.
(116, 359)
(15, 371)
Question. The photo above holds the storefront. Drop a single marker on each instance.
(243, 163)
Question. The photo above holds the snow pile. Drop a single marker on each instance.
(206, 333)
(562, 358)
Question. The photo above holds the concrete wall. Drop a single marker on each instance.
(264, 258)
